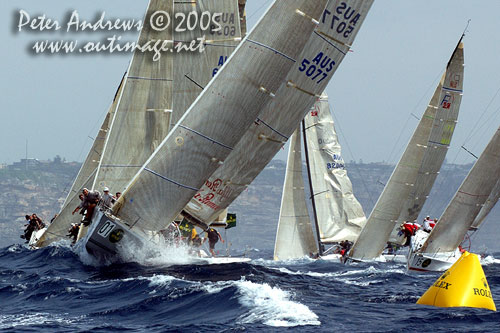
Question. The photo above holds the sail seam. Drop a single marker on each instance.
(272, 129)
(272, 49)
(170, 180)
(190, 79)
(120, 166)
(451, 89)
(206, 137)
(438, 143)
(149, 78)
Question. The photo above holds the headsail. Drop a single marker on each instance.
(201, 141)
(433, 132)
(324, 52)
(294, 237)
(467, 202)
(340, 215)
(58, 229)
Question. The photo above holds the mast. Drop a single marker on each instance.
(316, 226)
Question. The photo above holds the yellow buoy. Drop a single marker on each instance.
(462, 285)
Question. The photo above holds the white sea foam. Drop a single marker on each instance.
(29, 319)
(488, 260)
(272, 306)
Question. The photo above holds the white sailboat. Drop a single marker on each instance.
(144, 108)
(411, 181)
(329, 44)
(338, 216)
(205, 135)
(439, 251)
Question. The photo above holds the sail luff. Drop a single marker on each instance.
(294, 236)
(433, 130)
(200, 142)
(467, 202)
(325, 51)
(340, 215)
(311, 190)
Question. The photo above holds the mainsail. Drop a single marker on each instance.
(467, 202)
(58, 229)
(193, 70)
(427, 145)
(294, 237)
(339, 214)
(324, 52)
(203, 138)
(142, 117)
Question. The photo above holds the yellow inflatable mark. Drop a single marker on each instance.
(462, 285)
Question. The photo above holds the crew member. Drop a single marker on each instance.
(213, 237)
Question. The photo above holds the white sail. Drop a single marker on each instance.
(215, 122)
(58, 229)
(294, 237)
(339, 214)
(487, 207)
(320, 59)
(433, 132)
(467, 202)
(193, 70)
(142, 118)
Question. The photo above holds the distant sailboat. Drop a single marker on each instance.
(411, 181)
(205, 135)
(338, 216)
(439, 251)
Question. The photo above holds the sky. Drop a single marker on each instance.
(56, 103)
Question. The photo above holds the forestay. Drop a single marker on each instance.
(467, 202)
(339, 214)
(450, 98)
(433, 133)
(324, 52)
(142, 118)
(215, 122)
(294, 237)
(58, 229)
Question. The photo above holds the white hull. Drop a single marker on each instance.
(427, 262)
(35, 236)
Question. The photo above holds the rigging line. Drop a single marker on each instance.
(417, 105)
(196, 83)
(474, 130)
(469, 152)
(488, 123)
(339, 127)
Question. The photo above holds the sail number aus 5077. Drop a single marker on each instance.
(317, 68)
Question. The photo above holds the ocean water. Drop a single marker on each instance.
(56, 290)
